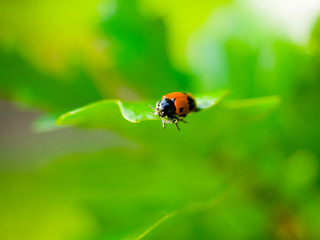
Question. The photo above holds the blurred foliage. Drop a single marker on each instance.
(246, 169)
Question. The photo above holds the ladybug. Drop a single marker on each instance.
(175, 106)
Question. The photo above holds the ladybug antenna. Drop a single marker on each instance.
(152, 107)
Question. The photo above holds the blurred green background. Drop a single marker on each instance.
(233, 172)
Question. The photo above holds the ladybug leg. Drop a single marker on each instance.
(183, 121)
(167, 121)
(175, 120)
(181, 118)
(163, 123)
(177, 126)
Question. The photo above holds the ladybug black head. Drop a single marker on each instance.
(166, 107)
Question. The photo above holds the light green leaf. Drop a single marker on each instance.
(208, 100)
(107, 110)
(45, 123)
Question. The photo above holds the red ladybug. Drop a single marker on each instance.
(175, 106)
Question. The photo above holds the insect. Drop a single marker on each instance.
(175, 107)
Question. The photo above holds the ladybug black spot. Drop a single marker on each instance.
(191, 103)
(181, 109)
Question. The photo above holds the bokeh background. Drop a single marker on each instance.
(245, 172)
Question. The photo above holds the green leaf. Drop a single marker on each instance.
(253, 105)
(45, 123)
(194, 208)
(23, 82)
(107, 110)
(163, 219)
(140, 51)
(208, 100)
